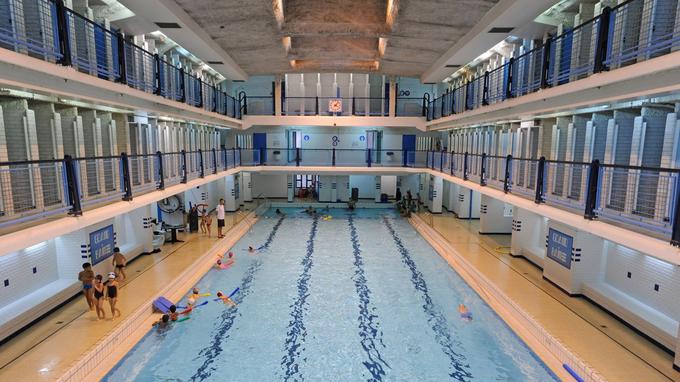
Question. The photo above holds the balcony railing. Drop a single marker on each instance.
(358, 106)
(642, 198)
(47, 30)
(631, 32)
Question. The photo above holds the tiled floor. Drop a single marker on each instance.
(612, 348)
(48, 348)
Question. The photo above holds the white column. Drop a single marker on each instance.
(277, 95)
(495, 216)
(247, 187)
(378, 181)
(393, 96)
(291, 188)
(437, 190)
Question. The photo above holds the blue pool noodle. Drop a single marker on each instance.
(572, 372)
(234, 292)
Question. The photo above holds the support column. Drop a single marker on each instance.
(247, 187)
(435, 193)
(291, 188)
(393, 96)
(277, 95)
(378, 182)
(495, 216)
(231, 193)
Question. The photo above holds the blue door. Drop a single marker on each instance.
(408, 144)
(260, 146)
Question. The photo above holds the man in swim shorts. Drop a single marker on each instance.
(119, 264)
(220, 218)
(86, 276)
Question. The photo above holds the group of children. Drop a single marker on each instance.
(192, 302)
(174, 316)
(95, 290)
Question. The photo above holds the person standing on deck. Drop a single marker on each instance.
(86, 276)
(220, 219)
(119, 263)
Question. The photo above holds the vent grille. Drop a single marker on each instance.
(168, 25)
(501, 30)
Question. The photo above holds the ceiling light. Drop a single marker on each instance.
(382, 44)
(215, 62)
(453, 66)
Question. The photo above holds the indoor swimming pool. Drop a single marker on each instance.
(342, 297)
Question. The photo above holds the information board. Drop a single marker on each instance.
(560, 247)
(101, 244)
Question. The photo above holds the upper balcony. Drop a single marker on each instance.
(624, 53)
(121, 73)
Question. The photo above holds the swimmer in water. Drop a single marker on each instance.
(251, 249)
(465, 314)
(163, 323)
(195, 294)
(172, 313)
(225, 299)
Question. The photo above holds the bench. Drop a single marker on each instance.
(23, 311)
(651, 322)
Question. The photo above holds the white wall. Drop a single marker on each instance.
(17, 268)
(388, 185)
(321, 137)
(269, 185)
(409, 182)
(365, 184)
(645, 272)
(61, 258)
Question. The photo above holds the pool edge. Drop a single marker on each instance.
(548, 348)
(117, 343)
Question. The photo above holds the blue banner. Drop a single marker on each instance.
(560, 247)
(101, 244)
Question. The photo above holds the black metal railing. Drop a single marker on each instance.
(47, 30)
(623, 35)
(641, 198)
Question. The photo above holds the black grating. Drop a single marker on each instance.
(501, 30)
(167, 25)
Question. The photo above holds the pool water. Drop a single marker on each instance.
(357, 297)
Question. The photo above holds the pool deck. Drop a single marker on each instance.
(44, 351)
(48, 348)
(614, 350)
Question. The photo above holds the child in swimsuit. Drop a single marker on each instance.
(112, 294)
(465, 314)
(86, 276)
(225, 299)
(208, 222)
(163, 323)
(119, 262)
(173, 313)
(99, 297)
(196, 294)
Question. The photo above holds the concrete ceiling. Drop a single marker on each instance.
(398, 37)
